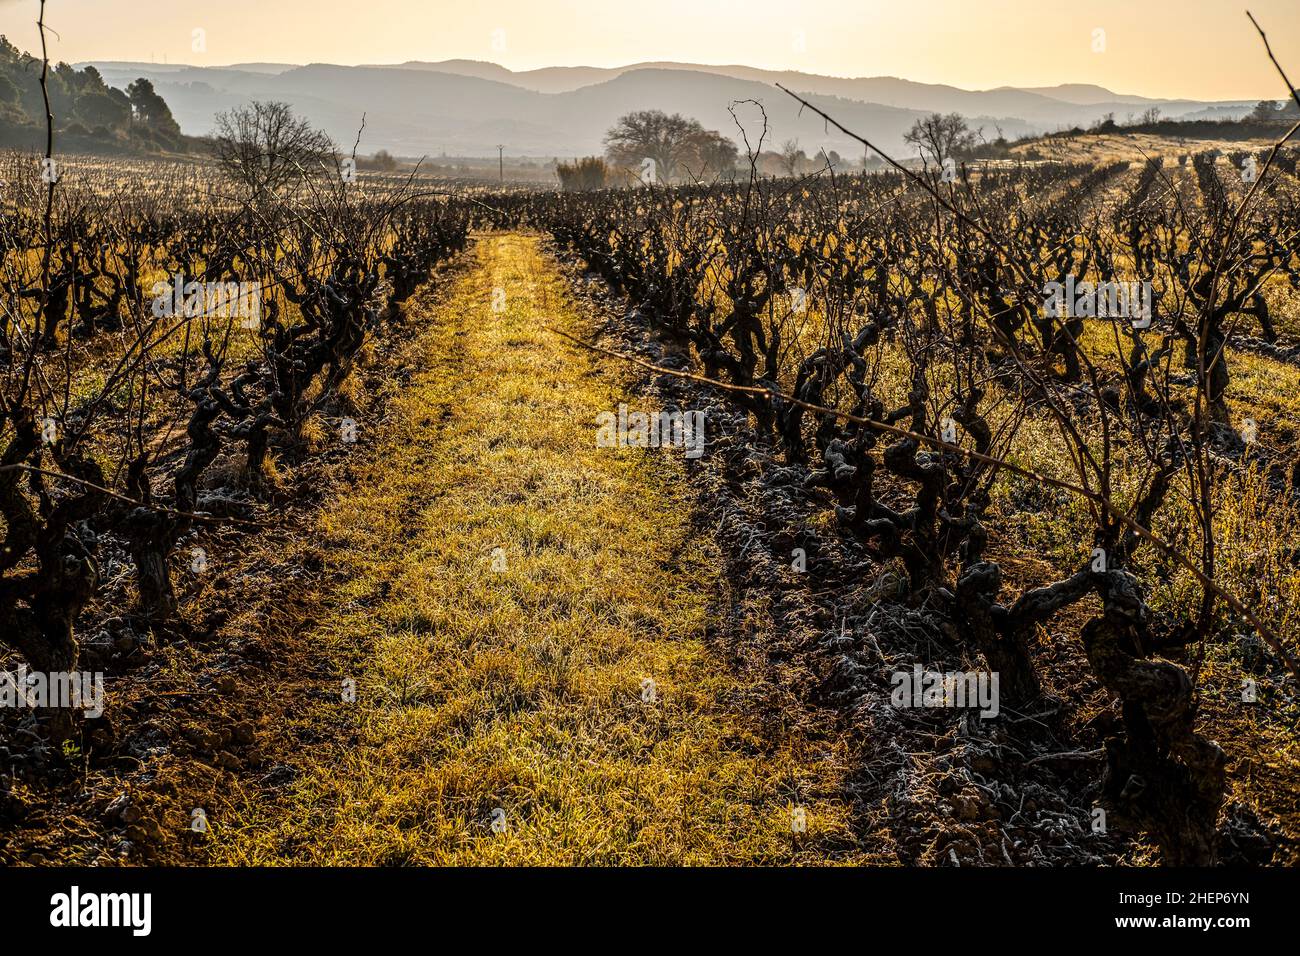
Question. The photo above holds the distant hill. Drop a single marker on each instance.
(468, 107)
(1086, 94)
(1049, 103)
(261, 67)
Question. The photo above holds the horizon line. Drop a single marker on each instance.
(651, 64)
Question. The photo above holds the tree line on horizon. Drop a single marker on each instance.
(86, 109)
(680, 149)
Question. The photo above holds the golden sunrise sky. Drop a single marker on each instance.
(1202, 49)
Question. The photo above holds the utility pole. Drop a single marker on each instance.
(501, 164)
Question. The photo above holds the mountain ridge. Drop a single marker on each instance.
(467, 107)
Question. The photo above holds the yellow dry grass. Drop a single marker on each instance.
(519, 693)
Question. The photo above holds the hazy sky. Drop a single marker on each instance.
(1203, 49)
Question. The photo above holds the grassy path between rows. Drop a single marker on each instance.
(503, 709)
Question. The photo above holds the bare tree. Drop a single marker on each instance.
(675, 143)
(940, 137)
(792, 157)
(711, 154)
(264, 146)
